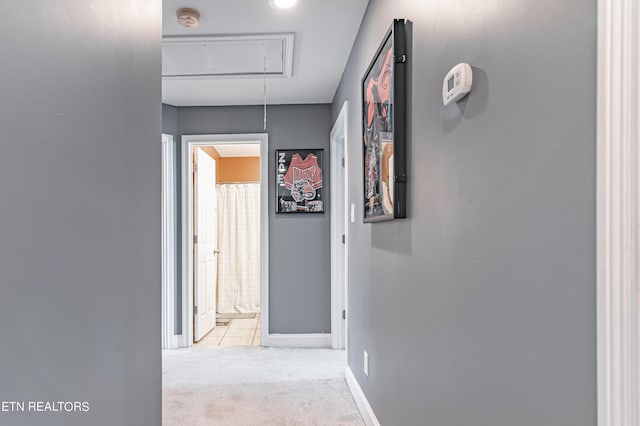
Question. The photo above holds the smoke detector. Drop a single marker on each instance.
(188, 17)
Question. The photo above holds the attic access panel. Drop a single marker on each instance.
(227, 56)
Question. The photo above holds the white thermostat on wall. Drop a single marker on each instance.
(457, 83)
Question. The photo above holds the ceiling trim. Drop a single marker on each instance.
(287, 40)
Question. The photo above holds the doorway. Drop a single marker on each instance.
(231, 177)
(225, 239)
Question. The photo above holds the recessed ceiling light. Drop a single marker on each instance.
(282, 4)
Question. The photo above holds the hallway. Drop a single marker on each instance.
(249, 385)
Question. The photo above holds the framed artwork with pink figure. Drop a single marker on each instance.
(299, 181)
(384, 128)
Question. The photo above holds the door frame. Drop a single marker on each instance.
(618, 114)
(339, 281)
(189, 142)
(169, 338)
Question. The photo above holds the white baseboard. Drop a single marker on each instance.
(366, 411)
(180, 341)
(174, 342)
(319, 340)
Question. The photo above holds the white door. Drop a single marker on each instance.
(205, 248)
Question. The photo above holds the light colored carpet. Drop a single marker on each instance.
(250, 385)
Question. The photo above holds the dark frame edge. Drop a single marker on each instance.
(322, 167)
(400, 120)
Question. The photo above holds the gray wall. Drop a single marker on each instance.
(170, 119)
(299, 245)
(479, 309)
(80, 229)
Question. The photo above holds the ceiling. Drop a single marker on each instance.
(324, 31)
(237, 150)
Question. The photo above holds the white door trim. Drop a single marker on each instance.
(339, 278)
(188, 142)
(169, 340)
(617, 211)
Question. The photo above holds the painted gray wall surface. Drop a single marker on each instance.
(80, 219)
(299, 245)
(479, 309)
(170, 119)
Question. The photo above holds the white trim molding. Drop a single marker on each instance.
(617, 211)
(314, 340)
(188, 142)
(169, 340)
(339, 227)
(366, 411)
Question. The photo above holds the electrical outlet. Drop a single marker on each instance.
(366, 364)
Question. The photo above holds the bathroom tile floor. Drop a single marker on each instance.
(239, 332)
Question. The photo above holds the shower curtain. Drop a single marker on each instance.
(239, 245)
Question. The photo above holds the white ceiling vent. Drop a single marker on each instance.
(230, 56)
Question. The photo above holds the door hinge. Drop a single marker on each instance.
(343, 162)
(344, 314)
(195, 167)
(195, 310)
(195, 239)
(344, 239)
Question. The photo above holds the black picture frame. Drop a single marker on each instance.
(384, 128)
(299, 181)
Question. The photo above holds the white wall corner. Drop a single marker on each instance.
(366, 411)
